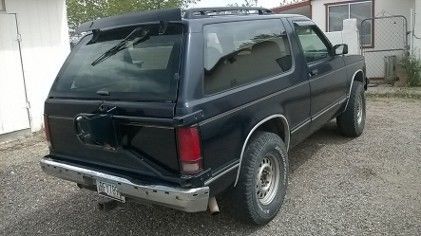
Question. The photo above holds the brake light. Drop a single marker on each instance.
(47, 130)
(189, 150)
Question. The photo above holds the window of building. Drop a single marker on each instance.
(359, 10)
(238, 53)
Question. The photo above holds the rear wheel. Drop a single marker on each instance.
(351, 122)
(262, 183)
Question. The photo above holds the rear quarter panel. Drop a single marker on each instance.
(229, 116)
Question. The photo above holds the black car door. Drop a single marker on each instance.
(326, 71)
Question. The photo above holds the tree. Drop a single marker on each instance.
(80, 11)
(287, 2)
(247, 3)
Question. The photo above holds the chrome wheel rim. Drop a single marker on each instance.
(267, 179)
(360, 110)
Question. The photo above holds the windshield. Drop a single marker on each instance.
(145, 67)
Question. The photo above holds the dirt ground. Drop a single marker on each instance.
(338, 186)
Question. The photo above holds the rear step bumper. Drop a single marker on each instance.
(188, 200)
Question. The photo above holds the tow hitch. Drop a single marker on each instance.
(105, 204)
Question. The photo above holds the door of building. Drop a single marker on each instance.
(13, 102)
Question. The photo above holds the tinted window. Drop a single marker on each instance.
(144, 69)
(238, 53)
(314, 47)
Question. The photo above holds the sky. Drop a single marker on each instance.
(222, 3)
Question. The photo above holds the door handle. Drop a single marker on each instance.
(313, 72)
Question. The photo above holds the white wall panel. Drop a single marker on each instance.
(45, 45)
(13, 111)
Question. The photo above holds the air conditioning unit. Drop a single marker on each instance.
(390, 63)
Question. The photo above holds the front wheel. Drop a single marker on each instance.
(263, 179)
(351, 122)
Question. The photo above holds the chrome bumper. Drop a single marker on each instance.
(188, 200)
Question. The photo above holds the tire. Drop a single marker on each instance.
(266, 153)
(351, 122)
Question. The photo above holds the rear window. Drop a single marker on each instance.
(146, 67)
(238, 53)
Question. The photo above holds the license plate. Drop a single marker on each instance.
(109, 190)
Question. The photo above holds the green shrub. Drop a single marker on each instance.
(412, 67)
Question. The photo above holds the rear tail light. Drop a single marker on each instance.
(189, 150)
(47, 130)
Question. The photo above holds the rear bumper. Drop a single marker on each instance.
(188, 200)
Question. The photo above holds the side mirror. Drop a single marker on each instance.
(340, 49)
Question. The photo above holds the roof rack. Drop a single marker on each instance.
(224, 11)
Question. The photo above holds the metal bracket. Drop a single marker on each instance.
(19, 37)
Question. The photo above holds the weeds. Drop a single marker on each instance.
(412, 67)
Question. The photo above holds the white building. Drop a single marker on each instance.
(34, 43)
(379, 38)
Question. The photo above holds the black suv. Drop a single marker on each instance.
(180, 108)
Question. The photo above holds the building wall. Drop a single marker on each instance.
(301, 8)
(388, 33)
(44, 47)
(387, 8)
(304, 10)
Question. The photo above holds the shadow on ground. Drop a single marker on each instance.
(304, 151)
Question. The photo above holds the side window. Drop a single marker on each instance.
(238, 53)
(314, 47)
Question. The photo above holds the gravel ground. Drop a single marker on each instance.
(338, 186)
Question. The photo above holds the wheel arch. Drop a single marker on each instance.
(359, 76)
(277, 124)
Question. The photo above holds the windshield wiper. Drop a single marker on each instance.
(123, 44)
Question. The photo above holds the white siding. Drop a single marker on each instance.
(387, 7)
(45, 45)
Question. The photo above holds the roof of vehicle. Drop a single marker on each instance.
(197, 15)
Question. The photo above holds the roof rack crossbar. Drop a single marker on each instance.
(220, 11)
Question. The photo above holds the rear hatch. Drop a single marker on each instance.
(112, 104)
